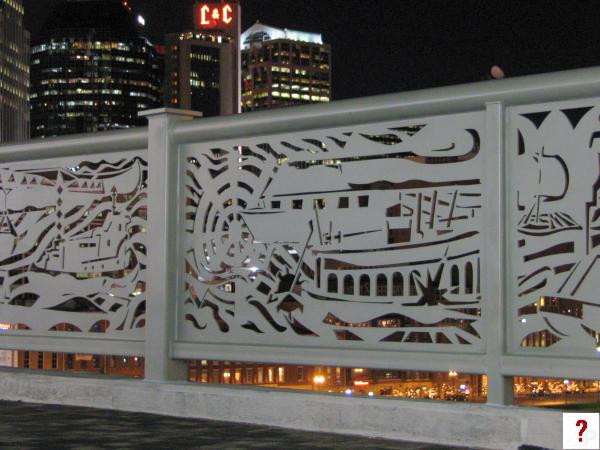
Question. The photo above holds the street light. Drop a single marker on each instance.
(318, 380)
(452, 374)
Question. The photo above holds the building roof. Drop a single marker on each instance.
(259, 32)
(96, 19)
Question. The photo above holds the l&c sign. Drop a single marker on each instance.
(213, 16)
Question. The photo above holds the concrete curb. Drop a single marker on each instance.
(472, 425)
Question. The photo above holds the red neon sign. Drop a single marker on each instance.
(213, 16)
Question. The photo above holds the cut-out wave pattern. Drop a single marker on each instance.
(328, 238)
(73, 247)
(555, 246)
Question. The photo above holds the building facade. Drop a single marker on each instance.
(282, 67)
(14, 72)
(202, 66)
(124, 366)
(91, 70)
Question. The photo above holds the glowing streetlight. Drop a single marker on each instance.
(318, 380)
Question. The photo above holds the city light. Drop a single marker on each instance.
(348, 392)
(319, 379)
(141, 20)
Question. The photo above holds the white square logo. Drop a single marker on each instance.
(581, 430)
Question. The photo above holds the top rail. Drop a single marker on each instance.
(443, 100)
(75, 145)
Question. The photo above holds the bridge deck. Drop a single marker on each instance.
(35, 426)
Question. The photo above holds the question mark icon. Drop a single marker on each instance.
(583, 424)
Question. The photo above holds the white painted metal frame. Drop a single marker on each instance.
(493, 98)
(174, 141)
(83, 269)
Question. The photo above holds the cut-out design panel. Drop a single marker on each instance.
(72, 246)
(555, 206)
(367, 237)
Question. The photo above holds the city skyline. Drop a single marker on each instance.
(405, 45)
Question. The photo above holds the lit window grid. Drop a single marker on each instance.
(270, 81)
(14, 73)
(82, 79)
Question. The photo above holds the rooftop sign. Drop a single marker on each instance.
(213, 16)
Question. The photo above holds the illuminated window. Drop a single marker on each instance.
(332, 283)
(455, 276)
(348, 285)
(468, 278)
(397, 284)
(381, 285)
(365, 285)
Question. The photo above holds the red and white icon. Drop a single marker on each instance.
(581, 430)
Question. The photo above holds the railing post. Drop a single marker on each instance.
(163, 261)
(500, 387)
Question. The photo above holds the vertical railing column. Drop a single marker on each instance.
(163, 230)
(500, 387)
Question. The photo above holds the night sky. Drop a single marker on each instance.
(382, 46)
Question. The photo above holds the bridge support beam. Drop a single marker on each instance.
(163, 254)
(500, 387)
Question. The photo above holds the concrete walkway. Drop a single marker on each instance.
(32, 426)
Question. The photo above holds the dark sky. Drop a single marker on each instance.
(382, 46)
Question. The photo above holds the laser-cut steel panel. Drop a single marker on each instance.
(357, 237)
(553, 189)
(72, 246)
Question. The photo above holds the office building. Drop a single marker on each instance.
(14, 72)
(282, 67)
(92, 70)
(202, 67)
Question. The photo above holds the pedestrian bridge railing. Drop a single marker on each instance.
(455, 228)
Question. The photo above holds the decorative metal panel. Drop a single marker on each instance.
(72, 245)
(357, 237)
(554, 204)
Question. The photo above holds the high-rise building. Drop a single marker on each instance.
(282, 67)
(92, 70)
(14, 72)
(202, 67)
